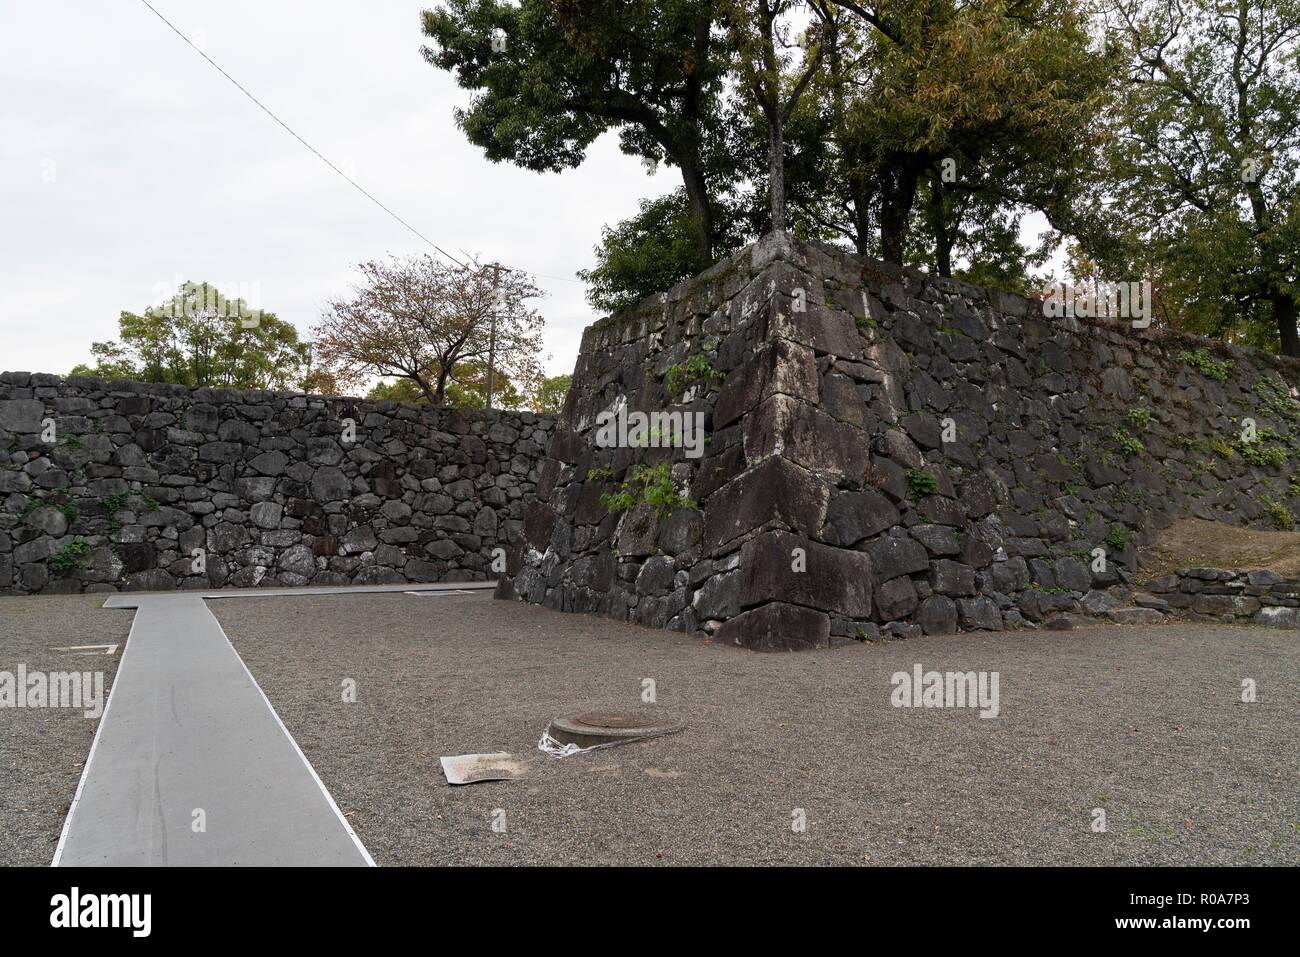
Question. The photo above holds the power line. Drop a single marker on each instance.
(362, 190)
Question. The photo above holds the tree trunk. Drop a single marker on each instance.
(861, 199)
(862, 225)
(427, 392)
(1284, 309)
(776, 168)
(439, 393)
(943, 237)
(897, 197)
(697, 194)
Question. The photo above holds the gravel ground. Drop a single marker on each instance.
(42, 750)
(1145, 723)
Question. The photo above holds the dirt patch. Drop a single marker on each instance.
(1194, 542)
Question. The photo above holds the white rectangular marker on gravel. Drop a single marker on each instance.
(472, 768)
(191, 765)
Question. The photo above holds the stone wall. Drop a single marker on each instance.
(829, 503)
(1228, 594)
(158, 487)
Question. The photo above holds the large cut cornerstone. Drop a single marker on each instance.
(886, 454)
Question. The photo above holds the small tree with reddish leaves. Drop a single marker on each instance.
(418, 318)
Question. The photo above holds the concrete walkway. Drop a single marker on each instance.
(191, 765)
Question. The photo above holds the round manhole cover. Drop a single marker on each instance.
(610, 727)
(613, 719)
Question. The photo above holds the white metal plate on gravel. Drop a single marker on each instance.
(472, 768)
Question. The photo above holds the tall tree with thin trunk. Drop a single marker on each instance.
(761, 33)
(1204, 186)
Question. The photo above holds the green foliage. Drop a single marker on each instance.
(1221, 448)
(928, 133)
(68, 508)
(1119, 538)
(1278, 513)
(1201, 180)
(112, 505)
(552, 393)
(1210, 367)
(1197, 443)
(201, 338)
(1139, 417)
(1263, 456)
(647, 485)
(401, 390)
(659, 492)
(1275, 399)
(696, 368)
(650, 252)
(150, 503)
(72, 442)
(603, 474)
(620, 501)
(652, 70)
(1008, 95)
(1127, 443)
(985, 237)
(466, 389)
(69, 557)
(921, 482)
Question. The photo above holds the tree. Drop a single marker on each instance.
(550, 76)
(761, 34)
(466, 389)
(1204, 183)
(987, 104)
(550, 397)
(113, 360)
(319, 382)
(974, 234)
(419, 318)
(654, 250)
(198, 337)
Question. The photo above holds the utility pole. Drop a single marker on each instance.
(492, 336)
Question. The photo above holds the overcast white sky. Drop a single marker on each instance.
(126, 160)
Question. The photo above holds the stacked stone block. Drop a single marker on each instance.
(889, 454)
(266, 484)
(1226, 594)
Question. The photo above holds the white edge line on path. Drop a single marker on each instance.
(99, 729)
(370, 861)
